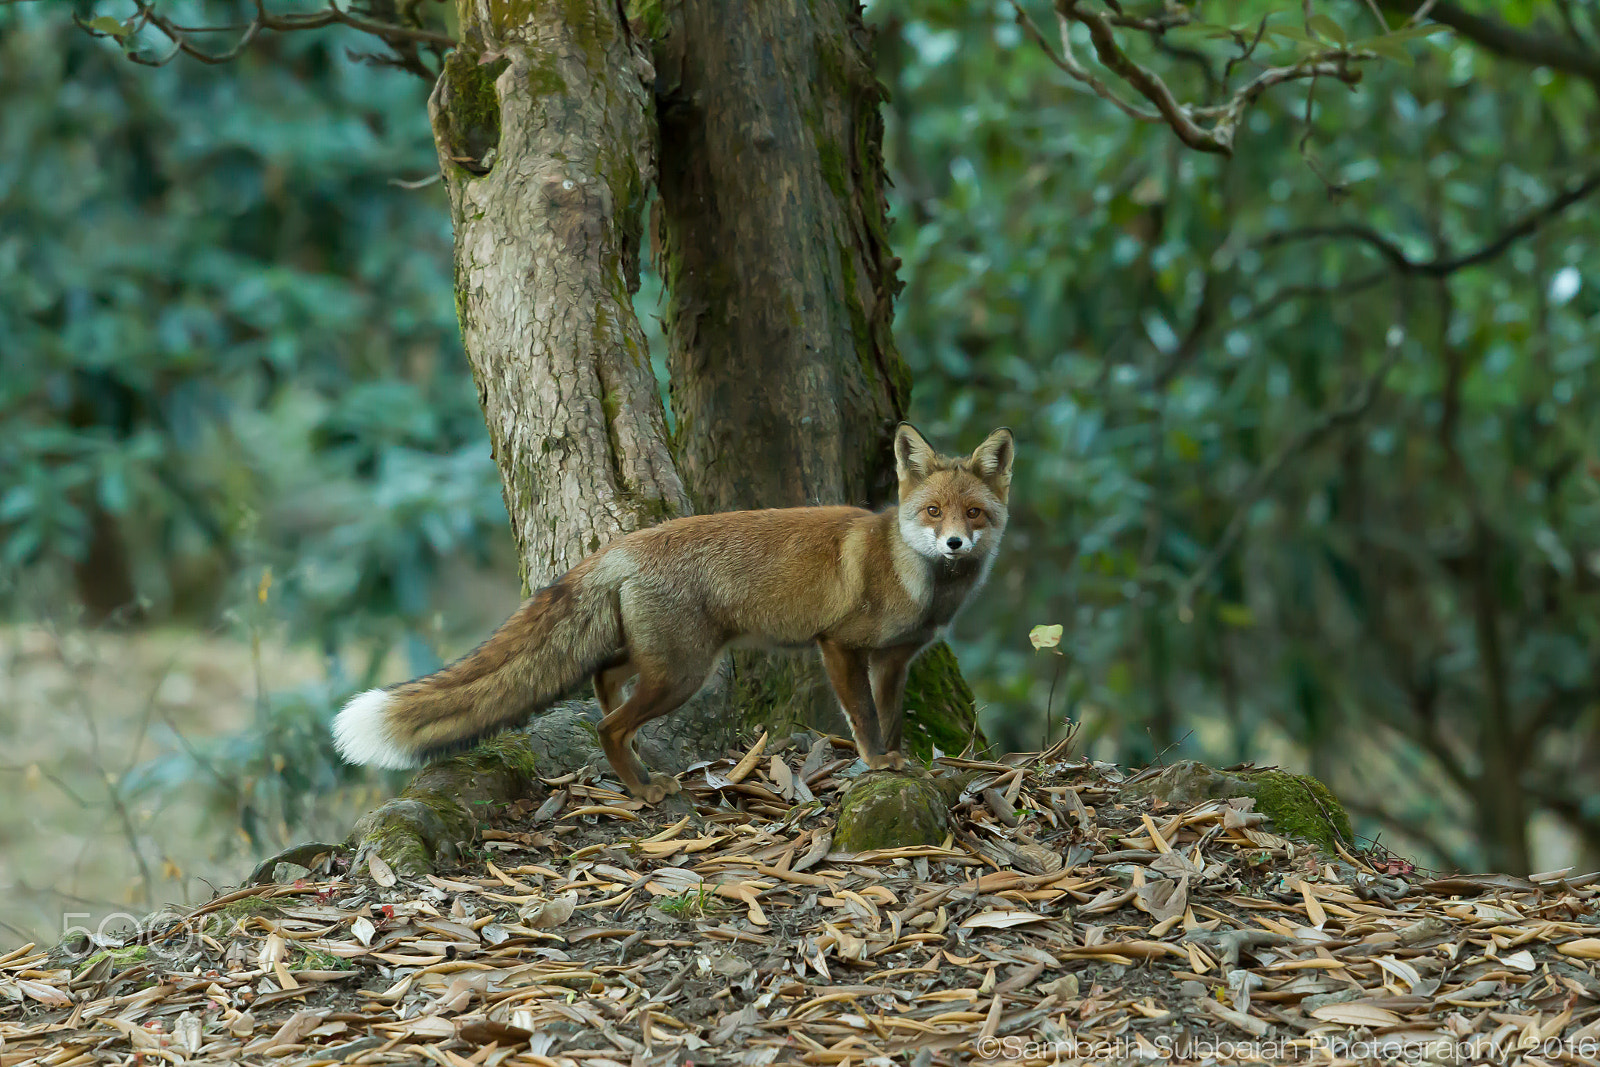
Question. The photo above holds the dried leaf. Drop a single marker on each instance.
(1001, 920)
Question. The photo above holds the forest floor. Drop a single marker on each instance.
(1063, 921)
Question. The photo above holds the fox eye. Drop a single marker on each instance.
(933, 510)
(973, 513)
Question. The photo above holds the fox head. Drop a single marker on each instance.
(953, 508)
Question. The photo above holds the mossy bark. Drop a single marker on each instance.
(544, 124)
(887, 809)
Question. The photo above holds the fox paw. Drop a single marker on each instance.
(889, 761)
(659, 788)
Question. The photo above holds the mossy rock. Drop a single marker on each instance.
(892, 809)
(1298, 805)
(442, 807)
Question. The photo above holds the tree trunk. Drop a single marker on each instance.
(772, 242)
(545, 139)
(772, 238)
(544, 122)
(786, 383)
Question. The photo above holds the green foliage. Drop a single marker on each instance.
(229, 341)
(1134, 311)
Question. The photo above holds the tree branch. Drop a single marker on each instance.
(402, 39)
(1443, 265)
(1184, 119)
(1527, 46)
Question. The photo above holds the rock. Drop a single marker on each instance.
(892, 809)
(1298, 805)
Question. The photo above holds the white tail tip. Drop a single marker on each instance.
(361, 733)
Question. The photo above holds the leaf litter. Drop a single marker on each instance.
(1060, 922)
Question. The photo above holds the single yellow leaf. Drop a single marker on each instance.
(1046, 636)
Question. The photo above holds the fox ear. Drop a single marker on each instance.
(914, 458)
(991, 460)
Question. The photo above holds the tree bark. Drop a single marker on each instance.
(543, 120)
(772, 240)
(771, 235)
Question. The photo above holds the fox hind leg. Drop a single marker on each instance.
(608, 683)
(657, 693)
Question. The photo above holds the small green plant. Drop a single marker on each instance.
(691, 903)
(312, 959)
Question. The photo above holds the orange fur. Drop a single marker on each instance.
(870, 590)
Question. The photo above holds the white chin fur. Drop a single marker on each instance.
(361, 734)
(923, 541)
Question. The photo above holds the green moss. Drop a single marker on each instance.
(589, 31)
(471, 117)
(860, 324)
(1300, 806)
(939, 707)
(400, 847)
(648, 17)
(509, 14)
(120, 957)
(544, 79)
(891, 810)
(499, 754)
(834, 166)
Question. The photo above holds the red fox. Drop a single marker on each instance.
(870, 590)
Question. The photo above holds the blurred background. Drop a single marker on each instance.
(1309, 463)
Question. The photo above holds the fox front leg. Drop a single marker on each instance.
(852, 683)
(888, 667)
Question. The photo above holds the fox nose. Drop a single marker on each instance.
(954, 543)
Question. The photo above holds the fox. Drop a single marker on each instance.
(660, 605)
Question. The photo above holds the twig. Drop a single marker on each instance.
(52, 778)
(113, 787)
(393, 35)
(1443, 265)
(1150, 86)
(1183, 119)
(1296, 292)
(1068, 62)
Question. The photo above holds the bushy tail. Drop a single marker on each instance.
(555, 640)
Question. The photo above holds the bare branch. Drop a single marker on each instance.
(1150, 86)
(1443, 265)
(1069, 63)
(403, 39)
(1383, 23)
(1185, 120)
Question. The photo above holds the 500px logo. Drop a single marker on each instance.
(162, 936)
